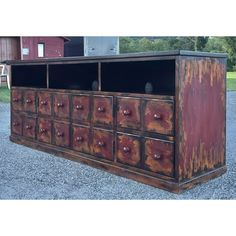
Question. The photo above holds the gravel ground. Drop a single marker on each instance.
(30, 174)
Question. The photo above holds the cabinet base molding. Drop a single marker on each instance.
(166, 184)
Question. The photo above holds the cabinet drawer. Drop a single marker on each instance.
(81, 139)
(158, 117)
(29, 101)
(103, 144)
(102, 110)
(44, 103)
(159, 155)
(61, 105)
(128, 113)
(16, 124)
(16, 97)
(81, 108)
(44, 130)
(128, 150)
(61, 134)
(29, 128)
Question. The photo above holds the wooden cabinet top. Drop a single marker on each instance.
(121, 57)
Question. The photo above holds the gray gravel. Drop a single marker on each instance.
(30, 174)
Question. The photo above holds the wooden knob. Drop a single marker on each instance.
(101, 109)
(60, 104)
(79, 107)
(28, 100)
(15, 99)
(60, 134)
(127, 112)
(15, 124)
(79, 139)
(156, 156)
(28, 127)
(42, 130)
(43, 103)
(126, 149)
(157, 116)
(101, 144)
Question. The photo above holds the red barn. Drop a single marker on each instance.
(16, 48)
(42, 47)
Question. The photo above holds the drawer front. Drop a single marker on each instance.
(16, 124)
(103, 144)
(81, 139)
(44, 103)
(61, 134)
(128, 150)
(158, 117)
(29, 101)
(29, 128)
(102, 110)
(61, 105)
(44, 130)
(128, 113)
(81, 108)
(16, 99)
(159, 156)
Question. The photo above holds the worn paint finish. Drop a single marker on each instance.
(102, 110)
(61, 105)
(61, 134)
(159, 156)
(81, 136)
(29, 127)
(158, 116)
(81, 108)
(102, 144)
(16, 98)
(44, 130)
(128, 113)
(16, 124)
(128, 150)
(201, 114)
(44, 103)
(29, 102)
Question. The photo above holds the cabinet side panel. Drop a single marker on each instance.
(201, 115)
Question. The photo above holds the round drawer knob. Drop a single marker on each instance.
(43, 103)
(157, 116)
(127, 112)
(126, 150)
(28, 100)
(60, 134)
(79, 107)
(42, 130)
(15, 124)
(28, 127)
(79, 139)
(156, 156)
(101, 109)
(101, 144)
(60, 105)
(15, 99)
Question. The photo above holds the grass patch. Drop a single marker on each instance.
(231, 81)
(4, 94)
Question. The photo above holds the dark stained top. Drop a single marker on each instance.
(120, 56)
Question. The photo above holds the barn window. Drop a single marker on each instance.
(40, 49)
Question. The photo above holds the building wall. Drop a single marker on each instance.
(54, 47)
(9, 48)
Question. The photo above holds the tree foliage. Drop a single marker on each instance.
(208, 44)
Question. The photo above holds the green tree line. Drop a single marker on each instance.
(207, 44)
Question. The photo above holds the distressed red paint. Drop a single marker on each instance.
(202, 112)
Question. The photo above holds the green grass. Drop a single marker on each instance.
(4, 94)
(231, 81)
